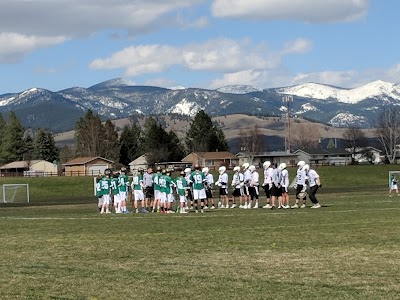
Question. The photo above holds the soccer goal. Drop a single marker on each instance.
(15, 193)
(393, 174)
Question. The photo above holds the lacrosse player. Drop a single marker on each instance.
(199, 192)
(237, 184)
(267, 184)
(247, 179)
(314, 183)
(148, 188)
(181, 187)
(137, 189)
(123, 184)
(189, 190)
(208, 186)
(157, 194)
(106, 190)
(300, 185)
(99, 193)
(253, 187)
(276, 190)
(223, 187)
(115, 193)
(393, 185)
(285, 186)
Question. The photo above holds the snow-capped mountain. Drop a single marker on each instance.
(376, 89)
(114, 99)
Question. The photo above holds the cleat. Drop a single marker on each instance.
(303, 206)
(249, 206)
(205, 207)
(227, 206)
(212, 207)
(255, 206)
(197, 211)
(202, 211)
(222, 206)
(267, 206)
(316, 206)
(295, 206)
(219, 204)
(233, 206)
(240, 206)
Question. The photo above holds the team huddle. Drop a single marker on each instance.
(194, 189)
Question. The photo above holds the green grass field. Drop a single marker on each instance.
(59, 247)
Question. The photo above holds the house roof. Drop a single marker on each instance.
(213, 155)
(84, 160)
(332, 151)
(23, 164)
(269, 154)
(141, 160)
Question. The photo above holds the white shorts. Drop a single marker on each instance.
(122, 195)
(117, 199)
(182, 198)
(106, 199)
(199, 194)
(394, 187)
(139, 195)
(157, 194)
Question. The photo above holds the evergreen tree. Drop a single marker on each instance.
(155, 142)
(45, 147)
(175, 147)
(109, 145)
(130, 142)
(29, 147)
(12, 142)
(89, 135)
(204, 136)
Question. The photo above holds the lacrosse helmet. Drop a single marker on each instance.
(282, 166)
(301, 163)
(252, 168)
(205, 170)
(305, 168)
(266, 164)
(236, 169)
(107, 172)
(222, 170)
(245, 166)
(187, 170)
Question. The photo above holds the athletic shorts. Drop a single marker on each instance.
(106, 199)
(117, 199)
(223, 191)
(182, 199)
(100, 203)
(394, 186)
(189, 195)
(237, 192)
(157, 194)
(298, 190)
(253, 190)
(276, 191)
(209, 193)
(149, 192)
(246, 191)
(267, 191)
(138, 194)
(122, 195)
(199, 194)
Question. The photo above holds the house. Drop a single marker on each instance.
(324, 156)
(29, 168)
(140, 162)
(212, 160)
(274, 156)
(366, 155)
(83, 166)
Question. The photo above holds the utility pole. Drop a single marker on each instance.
(287, 99)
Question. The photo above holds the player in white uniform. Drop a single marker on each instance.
(237, 184)
(300, 185)
(209, 182)
(314, 183)
(285, 186)
(267, 184)
(254, 186)
(276, 190)
(223, 187)
(247, 179)
(393, 185)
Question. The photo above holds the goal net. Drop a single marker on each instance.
(394, 175)
(15, 193)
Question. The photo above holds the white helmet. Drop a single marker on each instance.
(282, 166)
(252, 168)
(266, 164)
(236, 169)
(245, 166)
(305, 168)
(222, 170)
(187, 170)
(205, 170)
(301, 163)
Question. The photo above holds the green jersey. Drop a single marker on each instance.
(137, 182)
(114, 186)
(181, 185)
(105, 185)
(123, 182)
(99, 192)
(165, 184)
(197, 178)
(156, 177)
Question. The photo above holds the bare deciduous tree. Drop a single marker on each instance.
(251, 142)
(388, 132)
(305, 136)
(354, 138)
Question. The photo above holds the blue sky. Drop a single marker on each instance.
(197, 43)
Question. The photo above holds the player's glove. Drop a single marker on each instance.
(295, 186)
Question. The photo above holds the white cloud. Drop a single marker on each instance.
(313, 11)
(217, 55)
(14, 46)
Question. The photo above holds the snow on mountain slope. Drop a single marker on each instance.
(375, 89)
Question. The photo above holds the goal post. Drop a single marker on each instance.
(15, 193)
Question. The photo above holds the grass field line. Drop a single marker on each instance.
(141, 217)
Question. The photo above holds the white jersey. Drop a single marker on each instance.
(276, 177)
(223, 180)
(301, 177)
(285, 178)
(312, 177)
(237, 179)
(268, 176)
(254, 179)
(247, 177)
(209, 180)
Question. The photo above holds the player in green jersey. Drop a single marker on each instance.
(106, 190)
(123, 184)
(199, 193)
(156, 202)
(115, 192)
(181, 187)
(137, 188)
